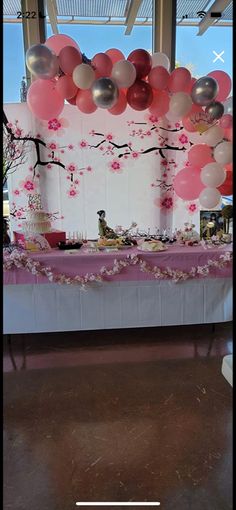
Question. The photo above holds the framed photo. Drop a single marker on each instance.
(211, 224)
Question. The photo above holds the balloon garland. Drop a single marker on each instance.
(111, 82)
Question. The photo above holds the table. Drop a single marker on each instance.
(133, 298)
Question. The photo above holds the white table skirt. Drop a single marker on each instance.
(53, 307)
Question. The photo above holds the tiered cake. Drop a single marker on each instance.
(37, 221)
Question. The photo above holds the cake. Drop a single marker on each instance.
(152, 246)
(37, 220)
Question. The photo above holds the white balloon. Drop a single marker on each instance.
(213, 136)
(123, 73)
(213, 175)
(83, 76)
(180, 104)
(194, 137)
(228, 106)
(160, 59)
(223, 153)
(209, 198)
(172, 117)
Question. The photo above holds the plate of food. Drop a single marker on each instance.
(113, 244)
(152, 246)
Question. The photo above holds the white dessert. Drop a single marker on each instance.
(152, 246)
(37, 222)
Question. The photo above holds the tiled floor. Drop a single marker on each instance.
(119, 416)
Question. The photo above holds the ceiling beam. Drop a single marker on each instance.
(208, 20)
(132, 15)
(52, 14)
(164, 28)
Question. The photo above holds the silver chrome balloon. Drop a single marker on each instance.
(228, 106)
(214, 110)
(204, 90)
(42, 62)
(104, 92)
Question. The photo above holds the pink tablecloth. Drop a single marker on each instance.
(82, 262)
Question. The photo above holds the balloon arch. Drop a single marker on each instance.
(142, 81)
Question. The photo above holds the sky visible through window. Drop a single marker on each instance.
(201, 54)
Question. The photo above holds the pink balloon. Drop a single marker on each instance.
(57, 42)
(228, 134)
(158, 77)
(187, 183)
(190, 86)
(84, 101)
(66, 87)
(160, 103)
(200, 155)
(226, 121)
(69, 58)
(43, 99)
(102, 64)
(115, 55)
(188, 125)
(121, 104)
(179, 80)
(224, 82)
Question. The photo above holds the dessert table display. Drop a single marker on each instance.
(116, 288)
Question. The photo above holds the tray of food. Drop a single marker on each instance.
(62, 245)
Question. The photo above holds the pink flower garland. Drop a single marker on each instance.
(22, 261)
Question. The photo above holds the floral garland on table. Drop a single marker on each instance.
(21, 260)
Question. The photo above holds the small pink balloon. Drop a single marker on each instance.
(158, 77)
(84, 101)
(179, 80)
(66, 87)
(115, 55)
(188, 125)
(224, 83)
(121, 104)
(57, 42)
(69, 58)
(226, 121)
(102, 64)
(43, 99)
(187, 183)
(200, 155)
(160, 103)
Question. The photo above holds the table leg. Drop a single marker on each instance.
(9, 343)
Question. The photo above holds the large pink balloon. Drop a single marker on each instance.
(226, 121)
(43, 99)
(200, 155)
(69, 58)
(102, 64)
(115, 55)
(84, 101)
(187, 183)
(179, 80)
(121, 104)
(224, 82)
(57, 42)
(160, 103)
(158, 77)
(66, 87)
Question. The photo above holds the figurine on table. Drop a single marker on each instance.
(103, 229)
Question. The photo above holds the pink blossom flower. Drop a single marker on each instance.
(177, 124)
(16, 192)
(109, 137)
(19, 214)
(83, 144)
(164, 175)
(68, 177)
(76, 182)
(54, 124)
(49, 166)
(72, 192)
(70, 147)
(53, 146)
(164, 162)
(30, 168)
(148, 133)
(135, 155)
(62, 151)
(72, 168)
(81, 172)
(115, 166)
(153, 118)
(62, 217)
(38, 135)
(183, 139)
(192, 208)
(29, 186)
(89, 169)
(10, 125)
(166, 202)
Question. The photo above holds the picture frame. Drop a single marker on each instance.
(211, 224)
